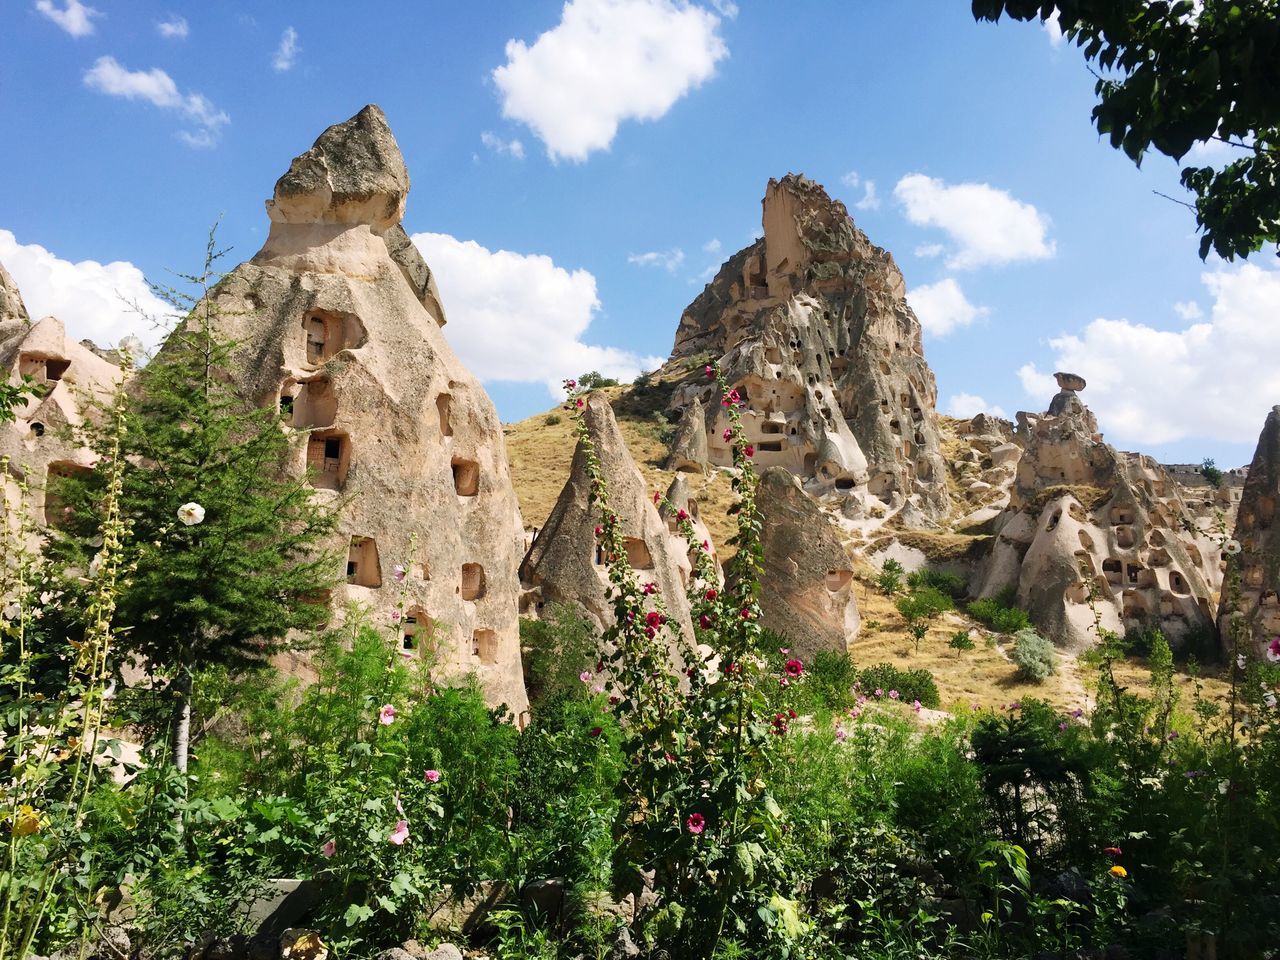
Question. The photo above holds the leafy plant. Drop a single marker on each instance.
(1000, 612)
(1034, 656)
(889, 580)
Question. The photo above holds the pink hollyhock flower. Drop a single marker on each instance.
(695, 823)
(855, 713)
(1273, 651)
(794, 667)
(783, 682)
(784, 650)
(578, 403)
(705, 622)
(746, 613)
(1016, 705)
(840, 734)
(328, 849)
(570, 384)
(650, 588)
(431, 776)
(650, 632)
(710, 372)
(585, 676)
(599, 530)
(396, 616)
(893, 694)
(879, 692)
(398, 572)
(728, 434)
(669, 757)
(749, 450)
(387, 715)
(915, 705)
(706, 547)
(656, 496)
(400, 834)
(598, 688)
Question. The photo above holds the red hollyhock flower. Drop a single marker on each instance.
(650, 588)
(709, 371)
(681, 515)
(653, 618)
(599, 530)
(746, 613)
(794, 668)
(695, 823)
(749, 450)
(656, 496)
(711, 594)
(596, 731)
(791, 713)
(1112, 851)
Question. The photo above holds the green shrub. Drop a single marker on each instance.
(831, 675)
(910, 684)
(953, 585)
(1033, 655)
(889, 580)
(551, 419)
(555, 650)
(960, 641)
(595, 380)
(1000, 613)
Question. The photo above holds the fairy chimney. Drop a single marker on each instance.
(337, 322)
(566, 563)
(1256, 532)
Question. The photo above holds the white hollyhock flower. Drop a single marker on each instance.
(95, 565)
(11, 610)
(191, 513)
(1232, 546)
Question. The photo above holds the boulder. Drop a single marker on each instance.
(336, 322)
(807, 582)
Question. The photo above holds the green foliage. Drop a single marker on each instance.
(595, 380)
(1177, 73)
(1212, 475)
(1000, 613)
(1034, 656)
(910, 684)
(555, 650)
(889, 580)
(952, 584)
(960, 641)
(919, 607)
(552, 419)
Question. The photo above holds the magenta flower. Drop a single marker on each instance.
(695, 823)
(794, 667)
(915, 705)
(893, 694)
(432, 776)
(596, 731)
(749, 450)
(728, 434)
(650, 589)
(681, 515)
(400, 834)
(709, 371)
(1273, 650)
(653, 618)
(879, 692)
(328, 849)
(585, 676)
(387, 715)
(704, 621)
(840, 734)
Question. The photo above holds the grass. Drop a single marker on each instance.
(541, 454)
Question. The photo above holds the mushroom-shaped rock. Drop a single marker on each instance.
(566, 562)
(1259, 538)
(689, 448)
(807, 581)
(354, 173)
(1069, 381)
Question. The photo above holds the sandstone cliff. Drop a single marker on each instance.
(337, 321)
(1256, 532)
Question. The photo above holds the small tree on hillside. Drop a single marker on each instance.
(226, 546)
(920, 607)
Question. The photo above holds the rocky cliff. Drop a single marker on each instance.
(1259, 539)
(338, 323)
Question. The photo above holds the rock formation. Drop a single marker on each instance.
(337, 321)
(811, 325)
(1083, 514)
(565, 564)
(1259, 540)
(807, 581)
(679, 498)
(69, 378)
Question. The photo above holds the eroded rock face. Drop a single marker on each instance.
(1259, 539)
(566, 564)
(40, 442)
(338, 324)
(11, 305)
(811, 325)
(1084, 516)
(807, 582)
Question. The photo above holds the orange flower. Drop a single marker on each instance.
(1118, 871)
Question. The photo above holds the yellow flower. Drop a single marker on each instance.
(1118, 871)
(27, 821)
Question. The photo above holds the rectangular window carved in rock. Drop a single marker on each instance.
(473, 583)
(466, 477)
(443, 404)
(484, 646)
(363, 568)
(328, 455)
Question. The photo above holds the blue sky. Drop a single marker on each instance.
(579, 167)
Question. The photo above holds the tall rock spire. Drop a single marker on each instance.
(336, 321)
(1259, 539)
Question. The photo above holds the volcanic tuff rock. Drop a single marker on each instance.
(1084, 514)
(680, 498)
(11, 305)
(1259, 539)
(566, 563)
(807, 582)
(68, 377)
(336, 320)
(811, 325)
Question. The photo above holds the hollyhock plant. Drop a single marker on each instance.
(400, 834)
(794, 668)
(191, 514)
(387, 715)
(1273, 650)
(328, 849)
(432, 776)
(695, 823)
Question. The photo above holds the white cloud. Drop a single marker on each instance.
(519, 317)
(75, 18)
(157, 88)
(1188, 310)
(942, 307)
(929, 250)
(286, 54)
(966, 405)
(93, 300)
(726, 8)
(607, 61)
(870, 200)
(175, 28)
(668, 260)
(495, 143)
(1053, 29)
(987, 226)
(1214, 379)
(712, 246)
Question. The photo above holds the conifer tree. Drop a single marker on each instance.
(227, 556)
